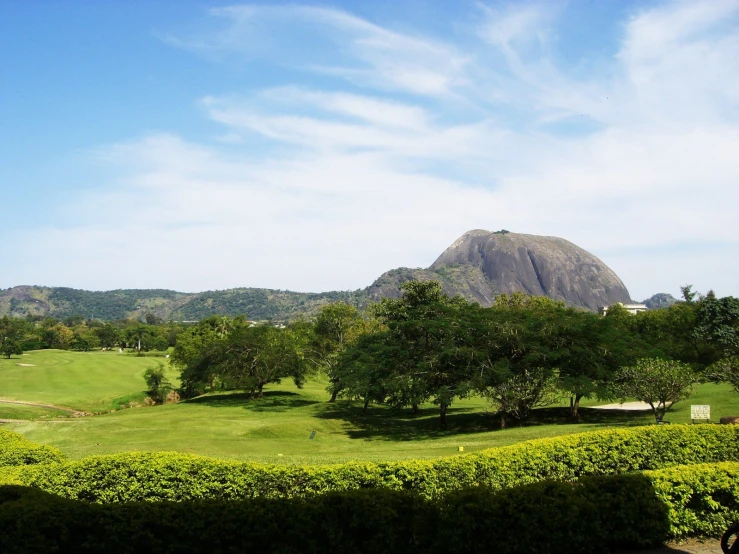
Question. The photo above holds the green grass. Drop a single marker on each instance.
(86, 381)
(16, 411)
(277, 428)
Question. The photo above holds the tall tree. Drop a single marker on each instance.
(251, 357)
(337, 326)
(659, 383)
(433, 344)
(12, 333)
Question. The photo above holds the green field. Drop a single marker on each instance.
(86, 381)
(274, 429)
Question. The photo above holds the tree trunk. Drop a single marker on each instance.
(333, 396)
(442, 415)
(502, 420)
(251, 393)
(261, 394)
(414, 409)
(574, 405)
(366, 403)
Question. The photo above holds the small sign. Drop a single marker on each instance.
(461, 449)
(312, 435)
(700, 412)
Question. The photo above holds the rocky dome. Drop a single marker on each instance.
(542, 266)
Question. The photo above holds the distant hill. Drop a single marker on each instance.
(659, 300)
(478, 265)
(258, 304)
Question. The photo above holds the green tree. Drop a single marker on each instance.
(521, 393)
(718, 322)
(251, 357)
(523, 351)
(141, 337)
(362, 372)
(659, 383)
(431, 345)
(74, 320)
(12, 333)
(588, 349)
(10, 347)
(725, 370)
(108, 335)
(85, 339)
(337, 326)
(158, 386)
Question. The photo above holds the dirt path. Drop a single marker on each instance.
(75, 413)
(692, 546)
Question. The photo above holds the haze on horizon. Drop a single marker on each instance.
(199, 145)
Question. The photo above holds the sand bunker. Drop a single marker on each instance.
(27, 365)
(635, 406)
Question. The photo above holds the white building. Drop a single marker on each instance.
(631, 308)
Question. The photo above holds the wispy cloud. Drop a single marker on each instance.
(380, 147)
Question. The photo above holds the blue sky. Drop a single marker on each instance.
(206, 145)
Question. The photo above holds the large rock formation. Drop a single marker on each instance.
(481, 264)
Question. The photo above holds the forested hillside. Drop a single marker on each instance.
(257, 304)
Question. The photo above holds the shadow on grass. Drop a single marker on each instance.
(383, 423)
(272, 401)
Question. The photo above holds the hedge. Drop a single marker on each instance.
(16, 450)
(594, 514)
(703, 499)
(175, 477)
(599, 514)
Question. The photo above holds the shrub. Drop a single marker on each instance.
(16, 450)
(171, 476)
(703, 499)
(544, 517)
(158, 385)
(594, 514)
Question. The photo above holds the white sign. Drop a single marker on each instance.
(700, 412)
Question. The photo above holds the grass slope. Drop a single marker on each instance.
(277, 428)
(86, 381)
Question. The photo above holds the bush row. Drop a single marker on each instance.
(599, 514)
(16, 450)
(702, 499)
(594, 514)
(175, 477)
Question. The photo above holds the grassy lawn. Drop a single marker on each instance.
(16, 411)
(277, 428)
(86, 381)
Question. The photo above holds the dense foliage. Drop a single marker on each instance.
(259, 304)
(357, 521)
(16, 450)
(594, 514)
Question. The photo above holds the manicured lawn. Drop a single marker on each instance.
(277, 428)
(85, 381)
(16, 411)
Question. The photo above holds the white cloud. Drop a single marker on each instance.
(349, 180)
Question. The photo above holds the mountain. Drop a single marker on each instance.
(258, 304)
(659, 300)
(542, 266)
(477, 266)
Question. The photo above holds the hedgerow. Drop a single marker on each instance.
(593, 514)
(178, 477)
(16, 450)
(544, 517)
(703, 499)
